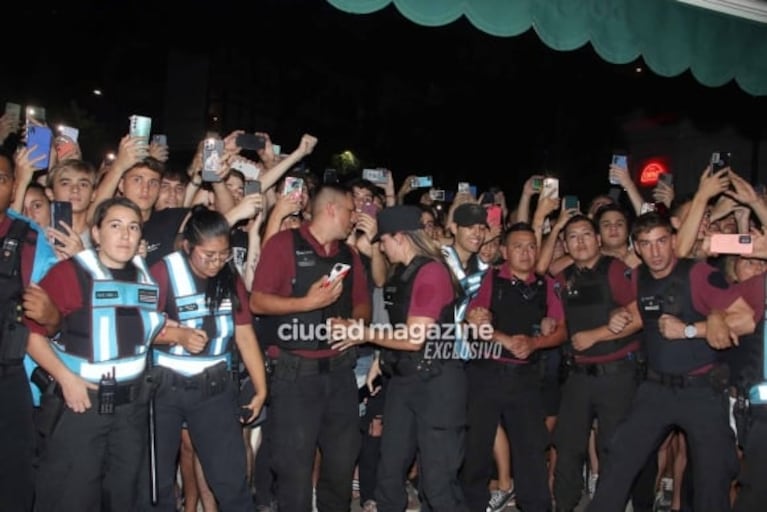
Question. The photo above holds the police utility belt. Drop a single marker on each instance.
(714, 377)
(289, 366)
(627, 363)
(211, 381)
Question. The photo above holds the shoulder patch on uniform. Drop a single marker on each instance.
(717, 280)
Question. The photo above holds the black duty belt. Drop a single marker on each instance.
(679, 381)
(123, 393)
(608, 368)
(303, 366)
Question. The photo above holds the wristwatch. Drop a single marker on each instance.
(690, 331)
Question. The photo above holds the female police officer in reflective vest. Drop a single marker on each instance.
(426, 399)
(200, 288)
(108, 303)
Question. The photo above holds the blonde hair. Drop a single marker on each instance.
(73, 164)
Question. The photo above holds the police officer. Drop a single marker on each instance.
(314, 395)
(601, 358)
(108, 302)
(21, 261)
(506, 389)
(425, 408)
(685, 386)
(748, 389)
(201, 290)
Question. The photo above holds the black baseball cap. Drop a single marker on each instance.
(469, 214)
(398, 218)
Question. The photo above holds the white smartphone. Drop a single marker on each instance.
(339, 271)
(140, 127)
(550, 188)
(72, 133)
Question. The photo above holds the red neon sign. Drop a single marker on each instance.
(651, 173)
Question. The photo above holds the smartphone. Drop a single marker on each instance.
(667, 178)
(61, 211)
(14, 112)
(36, 113)
(463, 187)
(421, 182)
(248, 169)
(139, 128)
(378, 176)
(65, 147)
(339, 271)
(252, 187)
(550, 188)
(251, 141)
(732, 244)
(720, 160)
(437, 194)
(160, 139)
(277, 149)
(293, 186)
(68, 131)
(618, 160)
(571, 203)
(212, 150)
(42, 137)
(330, 177)
(494, 214)
(370, 209)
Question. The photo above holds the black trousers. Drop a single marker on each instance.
(307, 412)
(370, 451)
(510, 395)
(753, 491)
(584, 397)
(216, 433)
(703, 414)
(16, 440)
(91, 462)
(427, 415)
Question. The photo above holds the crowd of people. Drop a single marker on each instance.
(273, 339)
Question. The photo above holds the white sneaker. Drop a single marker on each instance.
(500, 499)
(369, 506)
(314, 499)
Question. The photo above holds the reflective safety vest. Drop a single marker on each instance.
(194, 312)
(100, 337)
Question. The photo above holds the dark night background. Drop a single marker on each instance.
(450, 101)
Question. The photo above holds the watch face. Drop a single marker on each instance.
(690, 331)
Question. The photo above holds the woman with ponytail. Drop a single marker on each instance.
(202, 291)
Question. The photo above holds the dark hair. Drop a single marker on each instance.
(363, 184)
(100, 213)
(150, 163)
(204, 224)
(516, 228)
(12, 163)
(236, 174)
(650, 221)
(175, 175)
(612, 207)
(580, 218)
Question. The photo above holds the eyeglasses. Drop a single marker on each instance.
(214, 257)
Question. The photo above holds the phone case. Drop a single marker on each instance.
(732, 244)
(140, 127)
(212, 150)
(61, 211)
(68, 131)
(570, 202)
(370, 209)
(160, 139)
(42, 137)
(251, 141)
(375, 175)
(14, 111)
(550, 188)
(494, 214)
(293, 186)
(252, 187)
